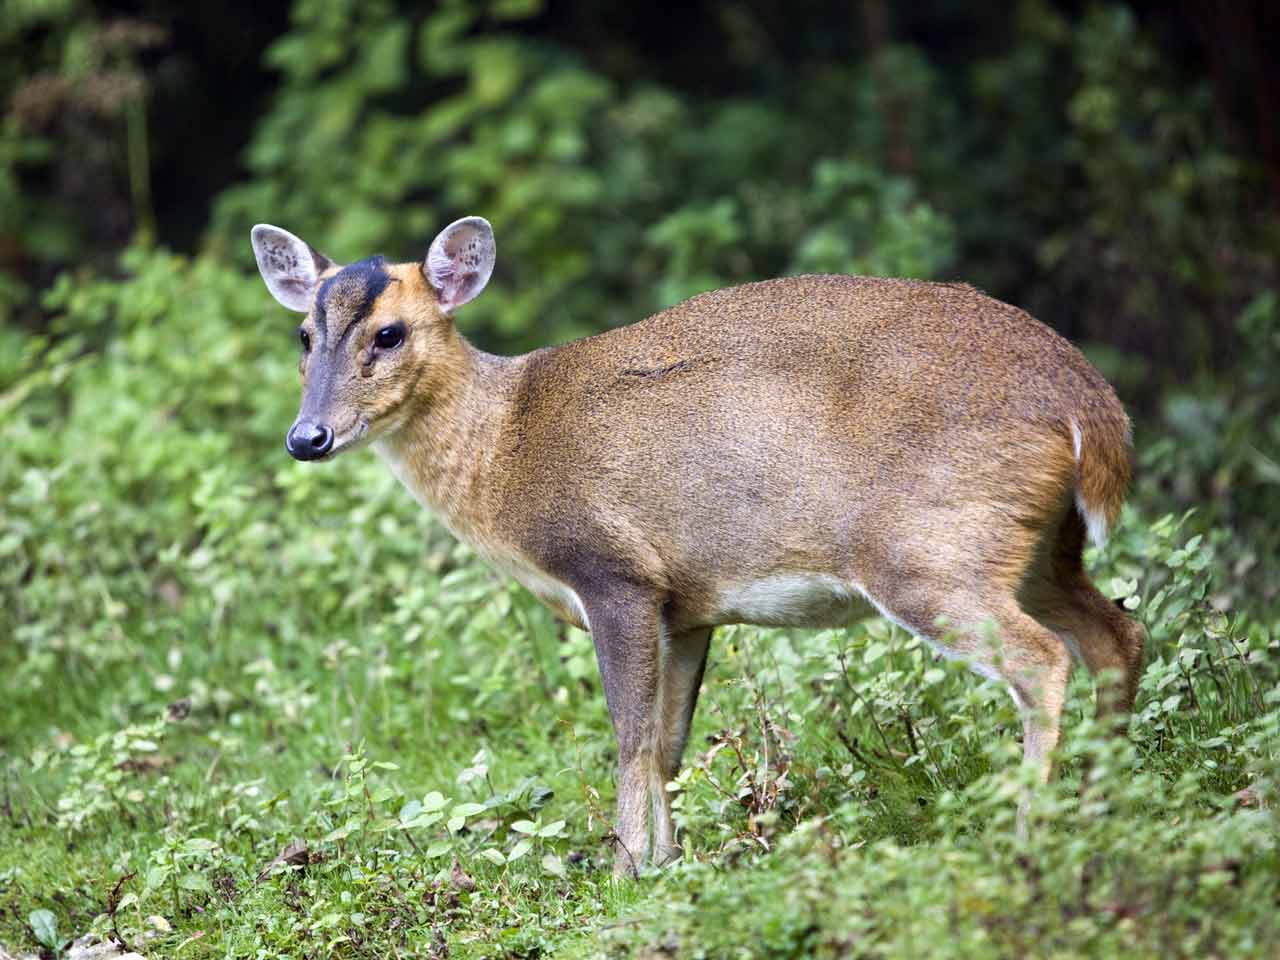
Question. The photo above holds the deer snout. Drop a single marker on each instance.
(308, 440)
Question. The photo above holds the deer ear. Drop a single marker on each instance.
(289, 266)
(460, 260)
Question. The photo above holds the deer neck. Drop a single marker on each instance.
(443, 450)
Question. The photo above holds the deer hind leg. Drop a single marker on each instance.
(1026, 655)
(1060, 595)
(1110, 642)
(683, 663)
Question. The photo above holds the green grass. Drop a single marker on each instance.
(848, 843)
(211, 653)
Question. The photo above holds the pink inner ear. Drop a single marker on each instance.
(455, 288)
(458, 263)
(294, 286)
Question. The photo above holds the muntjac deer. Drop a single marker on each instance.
(797, 452)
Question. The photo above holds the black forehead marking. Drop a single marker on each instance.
(352, 290)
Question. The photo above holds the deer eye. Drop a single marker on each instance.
(389, 337)
(306, 340)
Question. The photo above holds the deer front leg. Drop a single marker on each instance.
(627, 632)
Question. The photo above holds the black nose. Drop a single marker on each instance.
(308, 441)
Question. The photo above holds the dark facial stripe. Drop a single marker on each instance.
(355, 287)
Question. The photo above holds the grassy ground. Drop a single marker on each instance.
(435, 759)
(259, 709)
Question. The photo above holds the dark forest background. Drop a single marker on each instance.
(1115, 169)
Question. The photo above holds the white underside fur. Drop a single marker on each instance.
(817, 600)
(548, 589)
(792, 600)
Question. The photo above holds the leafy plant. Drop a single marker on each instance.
(101, 776)
(44, 925)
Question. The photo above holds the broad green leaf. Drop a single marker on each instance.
(553, 865)
(344, 831)
(423, 820)
(410, 810)
(195, 881)
(45, 926)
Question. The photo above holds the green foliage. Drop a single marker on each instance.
(74, 168)
(1216, 446)
(96, 773)
(45, 927)
(1110, 877)
(1144, 222)
(607, 204)
(256, 707)
(259, 708)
